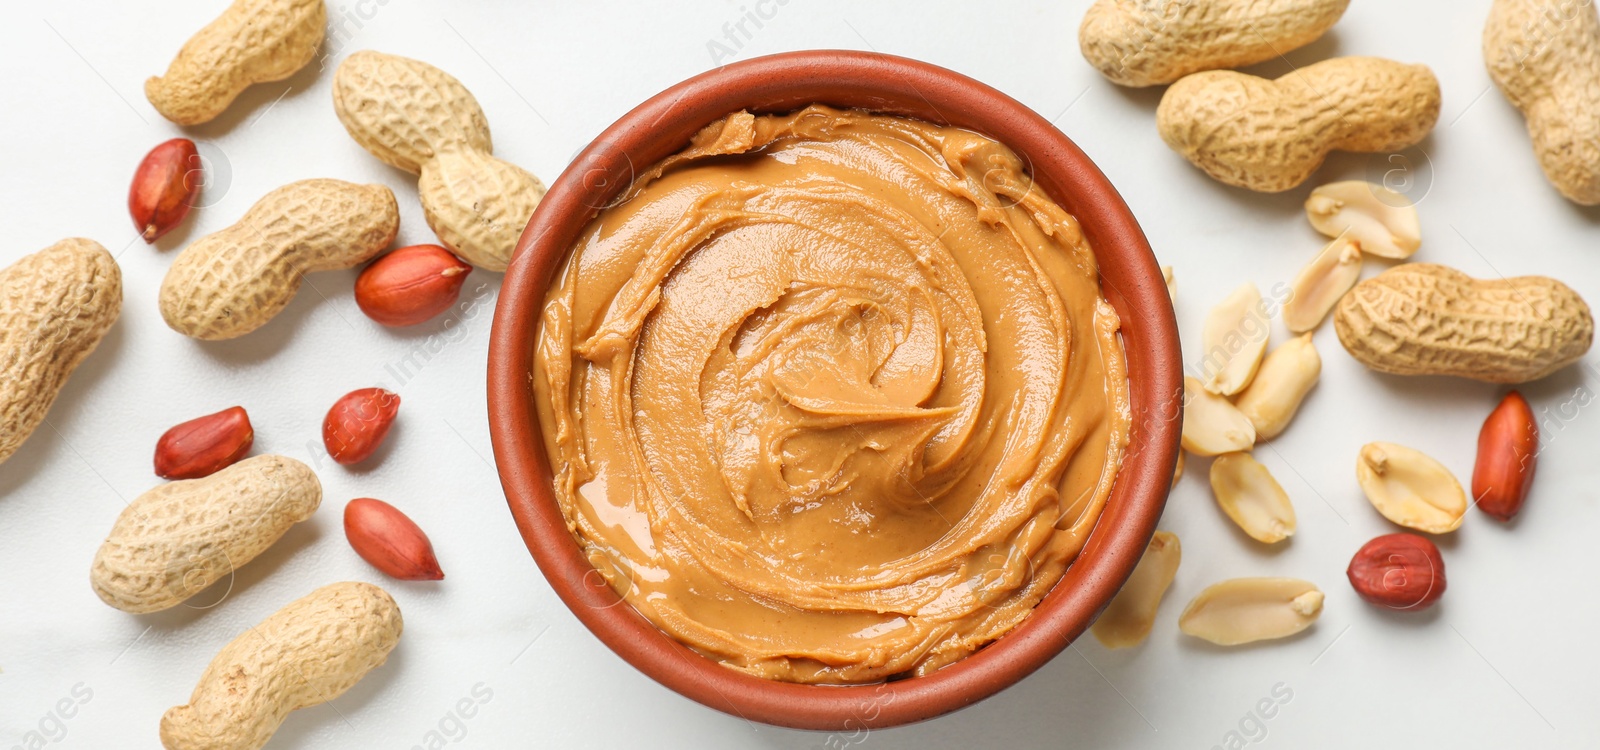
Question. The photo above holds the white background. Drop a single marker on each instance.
(1506, 659)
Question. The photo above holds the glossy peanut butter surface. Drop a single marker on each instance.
(832, 396)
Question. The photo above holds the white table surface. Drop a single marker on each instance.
(1505, 660)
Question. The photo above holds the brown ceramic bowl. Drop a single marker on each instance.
(1130, 277)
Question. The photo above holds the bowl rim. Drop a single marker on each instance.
(1130, 279)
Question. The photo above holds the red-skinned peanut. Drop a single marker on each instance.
(358, 422)
(390, 541)
(164, 187)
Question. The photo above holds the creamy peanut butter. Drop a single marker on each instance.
(832, 396)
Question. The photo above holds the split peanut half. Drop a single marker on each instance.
(1287, 374)
(1381, 221)
(1246, 491)
(1244, 610)
(1410, 488)
(1233, 340)
(1177, 471)
(1212, 425)
(1128, 619)
(1320, 285)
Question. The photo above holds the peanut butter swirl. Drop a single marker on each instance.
(832, 396)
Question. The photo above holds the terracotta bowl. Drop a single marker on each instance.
(1130, 277)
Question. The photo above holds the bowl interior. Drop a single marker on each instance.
(1131, 280)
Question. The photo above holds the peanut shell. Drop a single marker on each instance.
(253, 41)
(1425, 319)
(175, 540)
(1271, 135)
(1151, 42)
(55, 307)
(1545, 57)
(420, 119)
(308, 653)
(233, 281)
